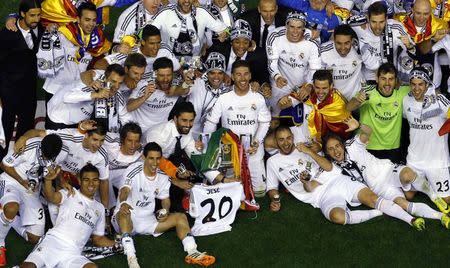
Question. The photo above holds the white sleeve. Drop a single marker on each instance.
(137, 92)
(211, 175)
(444, 103)
(13, 160)
(124, 115)
(440, 44)
(272, 175)
(272, 55)
(99, 229)
(264, 118)
(164, 191)
(213, 117)
(213, 24)
(314, 62)
(78, 95)
(126, 24)
(190, 147)
(116, 58)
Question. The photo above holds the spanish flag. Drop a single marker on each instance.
(64, 11)
(328, 115)
(433, 24)
(96, 44)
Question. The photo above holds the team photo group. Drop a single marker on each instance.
(189, 112)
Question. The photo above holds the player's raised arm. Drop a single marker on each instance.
(50, 194)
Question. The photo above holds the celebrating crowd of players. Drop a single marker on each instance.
(313, 92)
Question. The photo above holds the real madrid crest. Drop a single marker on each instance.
(253, 107)
(300, 162)
(354, 63)
(395, 104)
(156, 191)
(301, 56)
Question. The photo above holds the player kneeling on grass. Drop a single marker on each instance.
(382, 176)
(80, 216)
(134, 212)
(312, 179)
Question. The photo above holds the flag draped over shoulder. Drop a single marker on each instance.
(65, 11)
(327, 115)
(433, 24)
(211, 161)
(95, 43)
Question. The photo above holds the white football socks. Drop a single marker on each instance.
(5, 225)
(128, 245)
(390, 208)
(422, 185)
(16, 224)
(358, 216)
(423, 210)
(189, 244)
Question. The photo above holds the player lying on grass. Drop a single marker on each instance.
(135, 210)
(382, 176)
(79, 217)
(312, 179)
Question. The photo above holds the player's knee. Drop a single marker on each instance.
(28, 265)
(407, 175)
(337, 215)
(10, 210)
(181, 218)
(90, 265)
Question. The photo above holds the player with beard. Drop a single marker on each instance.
(246, 114)
(151, 104)
(382, 176)
(135, 210)
(312, 179)
(80, 217)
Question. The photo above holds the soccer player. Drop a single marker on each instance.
(245, 113)
(381, 108)
(135, 210)
(341, 57)
(183, 27)
(151, 105)
(77, 101)
(83, 149)
(205, 92)
(292, 59)
(426, 111)
(312, 179)
(381, 40)
(80, 217)
(382, 176)
(21, 187)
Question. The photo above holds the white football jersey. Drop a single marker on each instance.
(371, 45)
(79, 217)
(72, 69)
(296, 62)
(287, 169)
(118, 162)
(154, 110)
(241, 114)
(346, 70)
(214, 207)
(129, 21)
(78, 157)
(30, 160)
(144, 189)
(426, 148)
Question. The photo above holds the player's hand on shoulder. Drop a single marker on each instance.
(10, 24)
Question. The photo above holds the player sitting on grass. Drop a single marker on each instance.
(312, 179)
(79, 217)
(382, 176)
(134, 212)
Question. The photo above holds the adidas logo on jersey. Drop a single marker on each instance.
(230, 108)
(280, 170)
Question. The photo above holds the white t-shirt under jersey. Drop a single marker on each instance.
(79, 217)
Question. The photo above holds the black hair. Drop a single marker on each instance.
(152, 146)
(281, 128)
(129, 127)
(86, 6)
(240, 63)
(344, 29)
(377, 8)
(162, 63)
(322, 75)
(116, 68)
(135, 59)
(51, 146)
(100, 129)
(183, 107)
(26, 5)
(88, 168)
(149, 30)
(385, 68)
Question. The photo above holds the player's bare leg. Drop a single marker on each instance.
(180, 222)
(126, 227)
